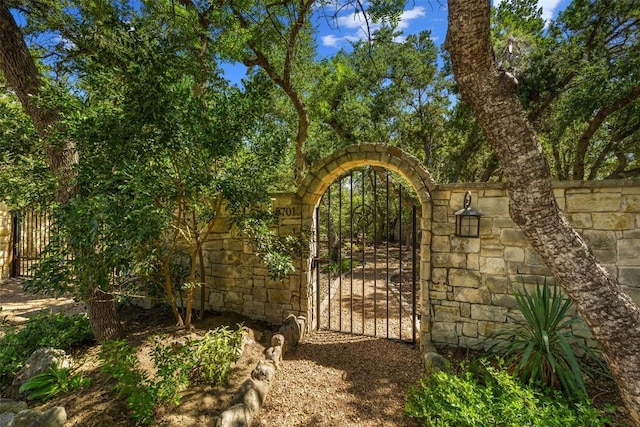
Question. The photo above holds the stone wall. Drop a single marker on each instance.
(238, 280)
(469, 293)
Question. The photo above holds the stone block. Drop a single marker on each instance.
(629, 276)
(631, 203)
(470, 329)
(531, 257)
(279, 296)
(513, 237)
(491, 265)
(440, 244)
(494, 206)
(473, 262)
(254, 310)
(593, 202)
(465, 245)
(449, 260)
(439, 275)
(446, 314)
(440, 214)
(492, 252)
(474, 343)
(606, 256)
(629, 252)
(464, 278)
(513, 254)
(488, 312)
(504, 300)
(465, 309)
(473, 296)
(444, 332)
(486, 329)
(599, 239)
(614, 221)
(497, 284)
(580, 220)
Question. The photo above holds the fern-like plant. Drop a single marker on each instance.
(542, 350)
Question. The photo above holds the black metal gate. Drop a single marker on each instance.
(31, 231)
(366, 256)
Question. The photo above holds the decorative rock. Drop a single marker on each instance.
(277, 340)
(54, 417)
(265, 370)
(434, 362)
(41, 360)
(7, 419)
(9, 405)
(274, 354)
(236, 416)
(291, 331)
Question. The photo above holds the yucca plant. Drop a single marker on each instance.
(543, 350)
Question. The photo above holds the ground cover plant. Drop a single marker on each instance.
(483, 395)
(60, 331)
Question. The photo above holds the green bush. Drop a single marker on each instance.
(542, 350)
(491, 397)
(208, 359)
(51, 382)
(43, 330)
(119, 362)
(215, 353)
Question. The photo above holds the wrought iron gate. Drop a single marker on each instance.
(30, 234)
(366, 256)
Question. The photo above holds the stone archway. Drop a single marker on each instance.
(323, 174)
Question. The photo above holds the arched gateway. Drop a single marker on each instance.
(334, 168)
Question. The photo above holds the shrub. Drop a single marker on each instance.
(491, 397)
(208, 359)
(43, 330)
(51, 382)
(215, 353)
(542, 350)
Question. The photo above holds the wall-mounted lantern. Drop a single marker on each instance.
(467, 219)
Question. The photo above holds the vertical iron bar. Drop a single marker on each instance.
(317, 267)
(340, 253)
(400, 253)
(375, 254)
(351, 248)
(364, 228)
(388, 237)
(329, 248)
(16, 243)
(414, 243)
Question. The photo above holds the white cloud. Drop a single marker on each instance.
(356, 23)
(409, 15)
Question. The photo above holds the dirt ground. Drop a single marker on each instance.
(331, 379)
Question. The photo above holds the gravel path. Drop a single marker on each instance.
(335, 379)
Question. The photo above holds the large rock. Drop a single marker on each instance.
(9, 405)
(41, 360)
(54, 417)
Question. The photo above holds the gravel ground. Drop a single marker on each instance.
(335, 379)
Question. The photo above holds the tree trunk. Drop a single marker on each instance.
(103, 317)
(611, 315)
(23, 77)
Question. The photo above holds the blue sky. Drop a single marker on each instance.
(349, 26)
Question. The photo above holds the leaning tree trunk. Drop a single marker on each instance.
(611, 315)
(23, 77)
